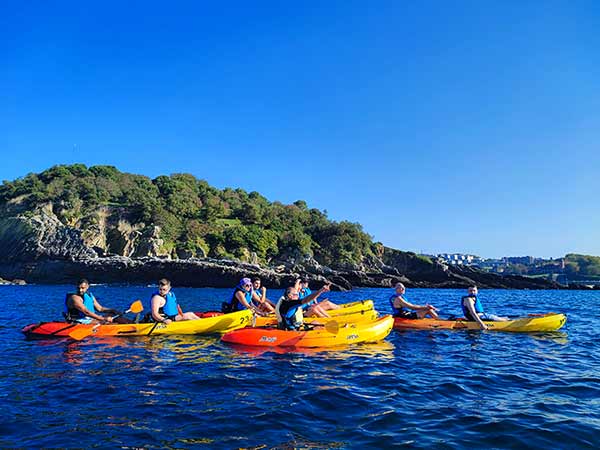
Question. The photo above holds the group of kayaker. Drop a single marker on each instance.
(470, 304)
(298, 300)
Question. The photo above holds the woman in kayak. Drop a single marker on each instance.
(243, 297)
(164, 307)
(81, 306)
(259, 297)
(289, 308)
(402, 308)
(473, 309)
(313, 308)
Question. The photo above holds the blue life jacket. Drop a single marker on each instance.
(398, 311)
(73, 314)
(235, 304)
(169, 309)
(289, 317)
(478, 307)
(303, 294)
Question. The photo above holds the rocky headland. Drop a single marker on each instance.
(40, 248)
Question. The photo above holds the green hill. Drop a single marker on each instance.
(194, 218)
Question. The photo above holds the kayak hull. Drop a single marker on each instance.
(368, 315)
(351, 308)
(351, 333)
(528, 324)
(217, 324)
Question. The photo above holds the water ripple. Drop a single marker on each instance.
(417, 389)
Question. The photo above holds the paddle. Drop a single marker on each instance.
(80, 333)
(332, 326)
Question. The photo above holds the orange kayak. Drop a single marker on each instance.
(350, 333)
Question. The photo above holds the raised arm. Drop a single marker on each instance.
(315, 295)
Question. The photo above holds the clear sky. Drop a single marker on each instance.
(462, 126)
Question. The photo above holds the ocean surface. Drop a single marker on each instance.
(416, 389)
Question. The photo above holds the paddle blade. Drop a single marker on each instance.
(332, 326)
(80, 333)
(136, 307)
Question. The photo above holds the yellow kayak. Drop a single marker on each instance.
(528, 324)
(351, 308)
(217, 324)
(364, 315)
(352, 333)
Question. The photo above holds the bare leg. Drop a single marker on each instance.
(186, 316)
(316, 310)
(326, 304)
(266, 308)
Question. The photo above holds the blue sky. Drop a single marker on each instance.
(440, 126)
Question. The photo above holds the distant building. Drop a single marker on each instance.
(458, 259)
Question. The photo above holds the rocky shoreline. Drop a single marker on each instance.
(195, 272)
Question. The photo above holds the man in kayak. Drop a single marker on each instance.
(82, 306)
(402, 308)
(289, 308)
(259, 297)
(313, 308)
(243, 297)
(164, 307)
(473, 309)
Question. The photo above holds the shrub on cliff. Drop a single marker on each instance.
(193, 216)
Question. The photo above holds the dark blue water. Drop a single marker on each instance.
(419, 389)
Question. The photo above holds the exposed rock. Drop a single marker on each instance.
(32, 237)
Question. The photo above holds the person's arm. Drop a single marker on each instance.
(257, 298)
(242, 299)
(78, 304)
(157, 302)
(315, 295)
(400, 302)
(471, 308)
(101, 308)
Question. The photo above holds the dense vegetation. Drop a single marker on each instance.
(582, 265)
(192, 215)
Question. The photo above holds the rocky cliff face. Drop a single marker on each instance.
(40, 236)
(39, 248)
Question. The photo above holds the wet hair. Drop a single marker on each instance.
(255, 279)
(83, 281)
(164, 282)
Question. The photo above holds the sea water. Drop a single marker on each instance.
(418, 389)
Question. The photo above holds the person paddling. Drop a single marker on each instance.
(289, 308)
(82, 306)
(473, 309)
(402, 308)
(164, 307)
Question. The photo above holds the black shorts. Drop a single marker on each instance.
(407, 315)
